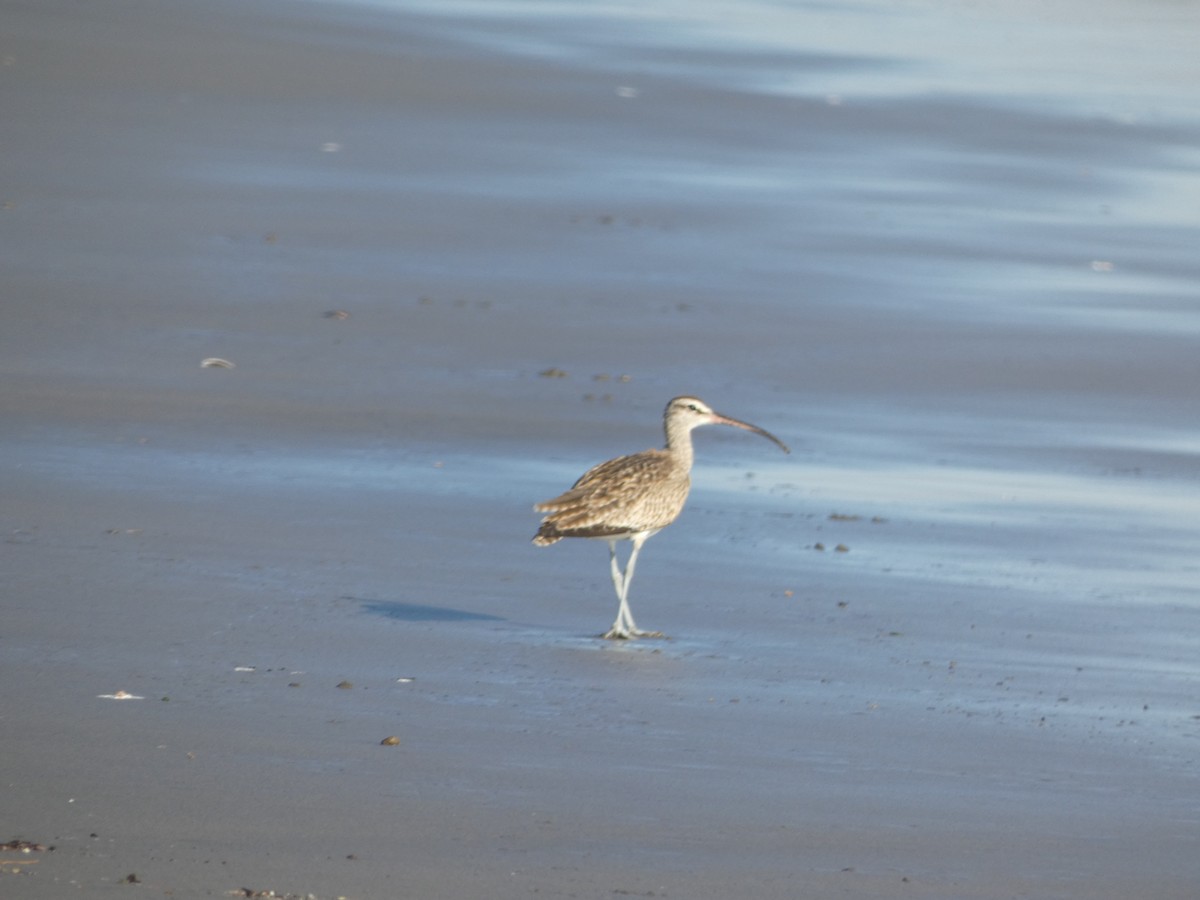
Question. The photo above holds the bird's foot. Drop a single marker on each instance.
(628, 634)
(637, 632)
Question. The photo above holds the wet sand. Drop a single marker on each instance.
(962, 286)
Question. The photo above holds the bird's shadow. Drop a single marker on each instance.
(419, 612)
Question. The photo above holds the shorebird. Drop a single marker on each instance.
(632, 498)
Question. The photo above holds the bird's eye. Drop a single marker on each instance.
(693, 407)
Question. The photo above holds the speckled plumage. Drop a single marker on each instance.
(634, 497)
(619, 498)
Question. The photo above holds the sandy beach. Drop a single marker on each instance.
(455, 254)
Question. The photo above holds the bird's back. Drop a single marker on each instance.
(630, 494)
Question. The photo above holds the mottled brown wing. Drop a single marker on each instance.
(642, 492)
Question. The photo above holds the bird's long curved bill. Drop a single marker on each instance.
(719, 419)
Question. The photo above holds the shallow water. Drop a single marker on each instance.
(946, 254)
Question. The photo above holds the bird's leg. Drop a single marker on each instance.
(638, 540)
(620, 630)
(625, 627)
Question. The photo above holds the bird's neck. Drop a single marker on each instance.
(679, 444)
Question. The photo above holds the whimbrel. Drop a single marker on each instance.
(632, 498)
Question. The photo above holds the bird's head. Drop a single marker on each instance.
(686, 413)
